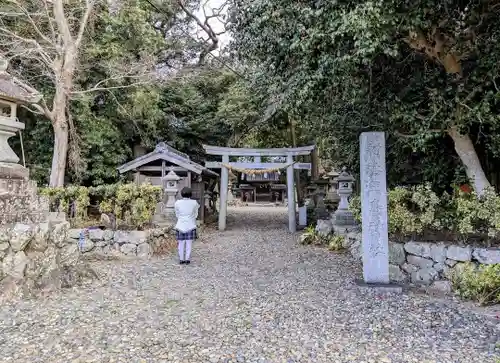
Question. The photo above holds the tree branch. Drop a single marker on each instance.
(83, 22)
(27, 15)
(213, 40)
(408, 136)
(96, 89)
(62, 22)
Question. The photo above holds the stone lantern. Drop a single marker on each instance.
(343, 216)
(171, 183)
(19, 200)
(12, 93)
(332, 194)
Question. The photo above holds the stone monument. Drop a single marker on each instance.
(19, 201)
(375, 244)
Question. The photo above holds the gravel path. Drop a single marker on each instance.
(250, 295)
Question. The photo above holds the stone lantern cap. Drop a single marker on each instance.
(172, 176)
(333, 174)
(13, 89)
(344, 177)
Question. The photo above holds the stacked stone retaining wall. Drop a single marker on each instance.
(425, 262)
(42, 254)
(119, 244)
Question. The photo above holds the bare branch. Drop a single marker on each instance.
(29, 16)
(83, 22)
(96, 89)
(409, 136)
(25, 45)
(34, 110)
(212, 42)
(62, 22)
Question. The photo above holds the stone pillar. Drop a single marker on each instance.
(224, 183)
(375, 245)
(230, 196)
(320, 210)
(292, 224)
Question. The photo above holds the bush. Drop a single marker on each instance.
(418, 209)
(480, 283)
(310, 236)
(335, 243)
(131, 204)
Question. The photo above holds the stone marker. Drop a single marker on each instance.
(375, 243)
(303, 216)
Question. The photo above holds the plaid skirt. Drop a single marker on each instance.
(186, 236)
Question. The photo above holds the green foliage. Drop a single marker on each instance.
(311, 236)
(131, 204)
(418, 209)
(480, 283)
(352, 66)
(478, 214)
(72, 200)
(335, 243)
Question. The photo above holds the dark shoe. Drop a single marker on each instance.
(187, 262)
(182, 262)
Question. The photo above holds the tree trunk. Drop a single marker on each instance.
(64, 75)
(467, 153)
(61, 139)
(60, 154)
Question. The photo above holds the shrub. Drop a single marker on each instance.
(131, 204)
(418, 209)
(311, 236)
(335, 243)
(480, 283)
(72, 200)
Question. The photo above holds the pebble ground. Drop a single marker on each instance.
(250, 295)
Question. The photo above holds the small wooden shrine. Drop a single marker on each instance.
(164, 160)
(269, 187)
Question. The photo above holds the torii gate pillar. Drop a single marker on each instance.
(290, 191)
(224, 184)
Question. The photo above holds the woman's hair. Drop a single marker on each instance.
(186, 192)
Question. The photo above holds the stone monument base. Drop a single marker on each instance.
(13, 171)
(379, 287)
(20, 202)
(163, 216)
(343, 218)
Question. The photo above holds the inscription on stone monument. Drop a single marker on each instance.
(375, 243)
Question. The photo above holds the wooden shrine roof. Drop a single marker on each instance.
(167, 153)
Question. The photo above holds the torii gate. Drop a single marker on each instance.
(290, 165)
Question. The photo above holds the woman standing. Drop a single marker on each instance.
(186, 211)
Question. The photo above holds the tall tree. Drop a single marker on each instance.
(44, 38)
(419, 70)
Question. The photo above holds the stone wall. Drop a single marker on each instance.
(102, 244)
(35, 256)
(34, 253)
(424, 262)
